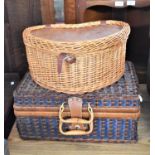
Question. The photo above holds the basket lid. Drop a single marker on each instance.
(121, 93)
(79, 32)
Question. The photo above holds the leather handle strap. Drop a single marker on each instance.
(76, 121)
(64, 57)
(75, 106)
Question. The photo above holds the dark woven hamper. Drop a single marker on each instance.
(115, 112)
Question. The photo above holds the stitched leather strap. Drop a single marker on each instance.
(75, 106)
(61, 58)
(78, 125)
(65, 57)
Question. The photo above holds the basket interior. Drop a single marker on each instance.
(76, 34)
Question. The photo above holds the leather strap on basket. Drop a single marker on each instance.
(75, 106)
(64, 57)
(79, 126)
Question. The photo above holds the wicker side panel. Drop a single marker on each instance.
(105, 130)
(101, 62)
(122, 93)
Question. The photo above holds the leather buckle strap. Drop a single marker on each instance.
(78, 126)
(64, 57)
(75, 106)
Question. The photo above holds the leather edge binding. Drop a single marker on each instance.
(84, 109)
(84, 114)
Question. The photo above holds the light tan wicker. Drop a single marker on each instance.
(77, 58)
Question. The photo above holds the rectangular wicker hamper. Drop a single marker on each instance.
(108, 115)
(77, 58)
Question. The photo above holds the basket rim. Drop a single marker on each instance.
(125, 26)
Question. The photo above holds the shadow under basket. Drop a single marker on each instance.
(107, 115)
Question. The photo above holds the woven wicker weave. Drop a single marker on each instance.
(98, 47)
(36, 110)
(105, 130)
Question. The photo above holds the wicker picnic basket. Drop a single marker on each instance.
(107, 115)
(77, 58)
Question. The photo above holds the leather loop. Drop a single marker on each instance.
(64, 57)
(60, 60)
(77, 122)
(75, 106)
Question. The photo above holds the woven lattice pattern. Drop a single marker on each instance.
(99, 62)
(105, 130)
(122, 93)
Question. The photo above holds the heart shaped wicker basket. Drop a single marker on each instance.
(77, 58)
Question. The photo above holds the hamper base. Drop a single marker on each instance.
(105, 130)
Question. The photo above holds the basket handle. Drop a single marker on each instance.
(64, 57)
(76, 121)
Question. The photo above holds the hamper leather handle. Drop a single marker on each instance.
(65, 57)
(76, 121)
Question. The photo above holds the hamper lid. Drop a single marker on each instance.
(28, 93)
(76, 32)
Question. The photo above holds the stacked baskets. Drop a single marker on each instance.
(84, 65)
